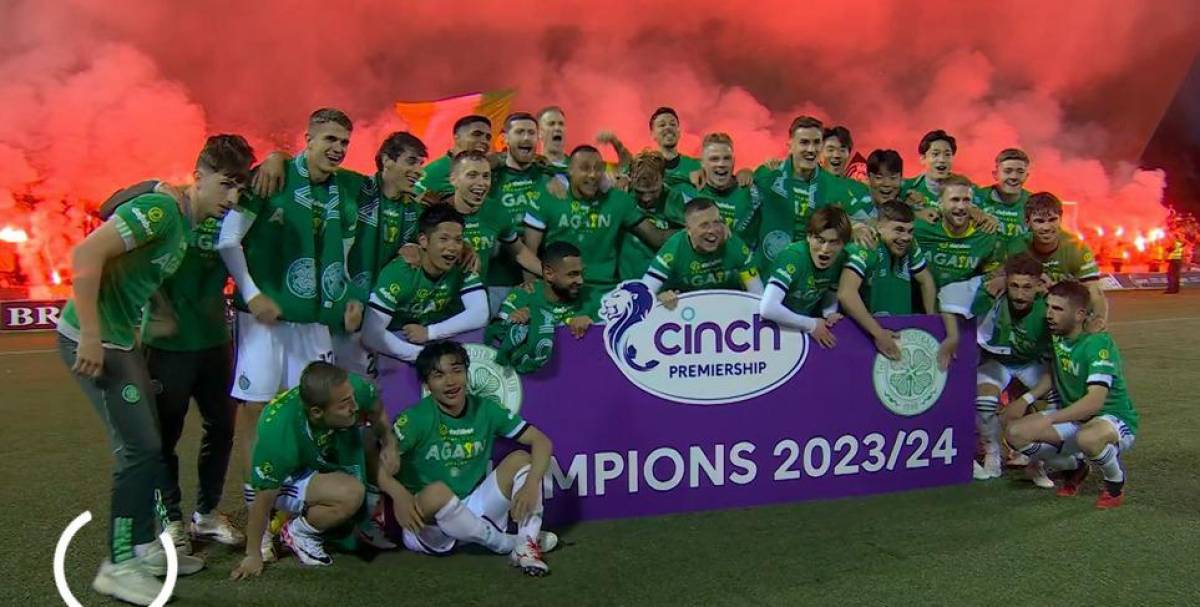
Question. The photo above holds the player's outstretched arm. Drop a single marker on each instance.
(924, 279)
(1039, 390)
(771, 308)
(87, 267)
(256, 524)
(474, 316)
(1083, 409)
(1099, 306)
(651, 234)
(852, 303)
(525, 256)
(947, 351)
(376, 336)
(540, 450)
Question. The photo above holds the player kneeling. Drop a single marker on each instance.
(1098, 419)
(310, 460)
(444, 493)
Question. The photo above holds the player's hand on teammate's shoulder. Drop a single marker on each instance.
(416, 334)
(696, 178)
(411, 254)
(669, 299)
(1095, 324)
(621, 182)
(519, 317)
(269, 176)
(864, 235)
(557, 187)
(996, 285)
(773, 164)
(251, 566)
(986, 223)
(745, 178)
(823, 335)
(928, 215)
(885, 342)
(264, 309)
(469, 259)
(353, 316)
(579, 326)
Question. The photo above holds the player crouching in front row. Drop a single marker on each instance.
(1098, 419)
(444, 493)
(311, 461)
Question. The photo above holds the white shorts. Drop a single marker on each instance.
(486, 501)
(1068, 433)
(271, 357)
(292, 493)
(349, 354)
(996, 373)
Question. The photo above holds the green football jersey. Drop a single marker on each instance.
(409, 295)
(196, 293)
(680, 169)
(437, 177)
(528, 346)
(1093, 359)
(155, 235)
(886, 282)
(682, 268)
(1010, 215)
(807, 288)
(436, 446)
(384, 225)
(595, 226)
(487, 230)
(1011, 338)
(954, 258)
(1071, 260)
(515, 190)
(289, 445)
(636, 255)
(805, 196)
(738, 206)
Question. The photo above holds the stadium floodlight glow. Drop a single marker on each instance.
(13, 235)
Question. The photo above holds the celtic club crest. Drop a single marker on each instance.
(911, 385)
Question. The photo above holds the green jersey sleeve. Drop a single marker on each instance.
(503, 422)
(393, 285)
(1101, 364)
(471, 282)
(741, 260)
(535, 215)
(276, 455)
(145, 219)
(788, 268)
(917, 259)
(411, 427)
(1087, 268)
(860, 259)
(661, 267)
(628, 214)
(366, 395)
(513, 302)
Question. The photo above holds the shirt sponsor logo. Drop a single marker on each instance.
(714, 348)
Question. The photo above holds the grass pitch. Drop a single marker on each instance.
(998, 543)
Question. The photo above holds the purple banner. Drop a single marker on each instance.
(709, 406)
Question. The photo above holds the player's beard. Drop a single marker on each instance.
(564, 294)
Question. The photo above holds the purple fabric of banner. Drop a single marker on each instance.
(821, 434)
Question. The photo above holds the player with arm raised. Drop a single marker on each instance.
(444, 493)
(1097, 418)
(314, 461)
(116, 269)
(701, 256)
(436, 298)
(877, 281)
(801, 291)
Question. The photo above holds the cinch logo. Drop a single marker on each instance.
(712, 349)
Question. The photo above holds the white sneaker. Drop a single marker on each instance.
(127, 581)
(154, 560)
(1018, 460)
(992, 465)
(372, 533)
(179, 536)
(307, 547)
(548, 540)
(984, 473)
(527, 557)
(216, 527)
(1036, 472)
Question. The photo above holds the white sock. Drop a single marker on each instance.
(456, 521)
(1109, 462)
(988, 423)
(301, 525)
(248, 494)
(529, 528)
(1062, 463)
(1040, 450)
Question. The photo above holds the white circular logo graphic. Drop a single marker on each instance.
(490, 379)
(302, 278)
(333, 280)
(911, 385)
(775, 242)
(363, 280)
